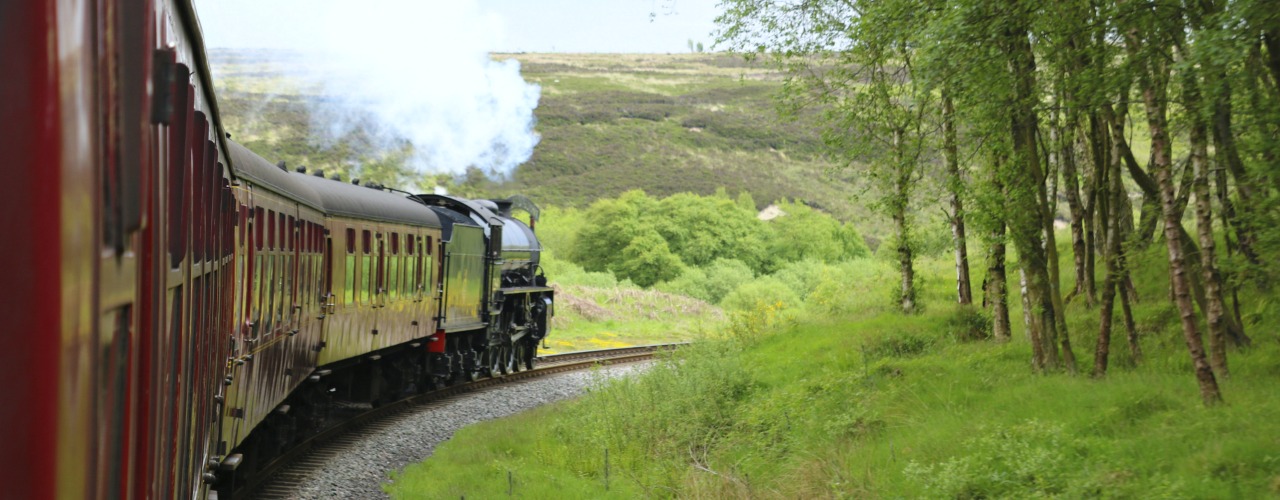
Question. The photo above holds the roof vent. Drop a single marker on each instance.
(301, 169)
(336, 177)
(355, 181)
(282, 166)
(318, 173)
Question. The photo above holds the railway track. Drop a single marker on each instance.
(280, 478)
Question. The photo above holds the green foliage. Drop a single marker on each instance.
(703, 228)
(711, 283)
(1030, 459)
(702, 231)
(802, 277)
(767, 291)
(609, 226)
(648, 260)
(804, 233)
(969, 324)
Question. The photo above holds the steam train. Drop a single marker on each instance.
(176, 308)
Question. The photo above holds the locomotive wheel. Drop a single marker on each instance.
(502, 360)
(496, 364)
(517, 356)
(527, 357)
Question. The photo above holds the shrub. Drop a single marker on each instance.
(767, 290)
(805, 233)
(724, 276)
(691, 283)
(648, 260)
(803, 276)
(969, 323)
(1032, 459)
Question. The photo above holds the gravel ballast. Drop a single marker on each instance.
(365, 466)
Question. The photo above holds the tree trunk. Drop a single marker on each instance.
(1100, 145)
(1153, 79)
(1224, 214)
(1272, 40)
(1114, 281)
(1215, 308)
(1131, 330)
(1027, 199)
(1071, 185)
(997, 288)
(964, 291)
(1055, 277)
(1228, 155)
(902, 184)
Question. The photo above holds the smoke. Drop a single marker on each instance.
(404, 72)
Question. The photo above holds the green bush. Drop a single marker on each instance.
(969, 323)
(724, 276)
(565, 273)
(857, 286)
(647, 260)
(802, 277)
(805, 233)
(691, 283)
(1032, 459)
(767, 290)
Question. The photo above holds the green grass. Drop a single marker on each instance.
(881, 405)
(591, 317)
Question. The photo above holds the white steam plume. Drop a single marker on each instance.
(416, 71)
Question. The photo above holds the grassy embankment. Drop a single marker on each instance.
(869, 403)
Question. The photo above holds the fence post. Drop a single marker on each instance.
(606, 468)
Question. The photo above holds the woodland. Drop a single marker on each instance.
(1020, 103)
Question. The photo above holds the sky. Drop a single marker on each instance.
(635, 26)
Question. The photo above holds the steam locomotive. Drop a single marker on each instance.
(177, 308)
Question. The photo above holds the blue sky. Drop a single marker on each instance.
(518, 25)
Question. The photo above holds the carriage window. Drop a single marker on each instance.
(258, 220)
(292, 231)
(393, 268)
(366, 266)
(268, 287)
(407, 283)
(381, 271)
(271, 229)
(428, 266)
(327, 264)
(305, 272)
(349, 292)
(283, 230)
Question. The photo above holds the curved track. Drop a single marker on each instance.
(279, 478)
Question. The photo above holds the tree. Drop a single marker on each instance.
(853, 60)
(648, 260)
(1145, 37)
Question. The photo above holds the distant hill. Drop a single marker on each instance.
(609, 123)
